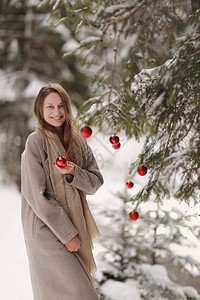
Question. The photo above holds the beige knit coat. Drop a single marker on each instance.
(56, 274)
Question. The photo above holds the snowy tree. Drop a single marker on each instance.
(143, 58)
(143, 250)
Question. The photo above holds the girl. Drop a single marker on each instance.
(57, 223)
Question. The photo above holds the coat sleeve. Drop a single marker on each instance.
(87, 180)
(33, 191)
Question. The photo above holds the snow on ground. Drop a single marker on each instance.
(121, 290)
(14, 272)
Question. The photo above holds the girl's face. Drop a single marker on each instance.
(53, 110)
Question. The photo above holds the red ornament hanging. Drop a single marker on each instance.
(142, 170)
(117, 146)
(61, 161)
(133, 215)
(114, 139)
(86, 131)
(129, 184)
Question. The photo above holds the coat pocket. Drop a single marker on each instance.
(41, 232)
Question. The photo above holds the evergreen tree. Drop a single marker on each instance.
(143, 58)
(136, 249)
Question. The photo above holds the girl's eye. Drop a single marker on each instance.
(49, 106)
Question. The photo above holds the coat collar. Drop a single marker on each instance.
(41, 133)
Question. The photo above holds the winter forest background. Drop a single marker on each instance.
(132, 68)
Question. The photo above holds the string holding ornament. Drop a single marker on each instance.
(134, 215)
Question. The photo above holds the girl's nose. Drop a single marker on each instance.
(57, 110)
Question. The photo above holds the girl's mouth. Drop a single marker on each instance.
(57, 119)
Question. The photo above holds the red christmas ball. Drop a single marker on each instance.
(114, 139)
(61, 161)
(129, 184)
(133, 215)
(117, 146)
(86, 131)
(142, 170)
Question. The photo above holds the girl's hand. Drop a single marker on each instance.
(73, 245)
(68, 169)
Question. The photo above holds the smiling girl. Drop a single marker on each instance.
(57, 222)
